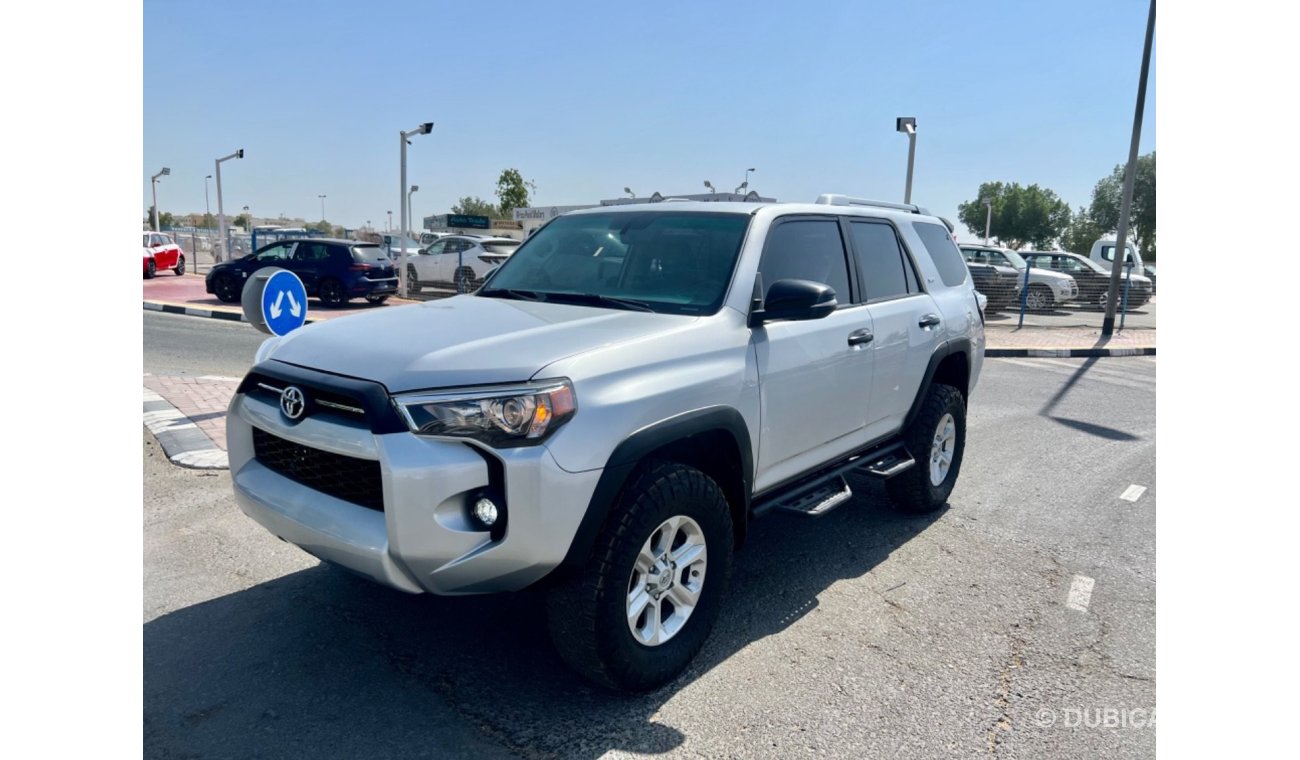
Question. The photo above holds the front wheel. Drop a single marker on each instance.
(225, 288)
(412, 280)
(150, 269)
(1039, 298)
(645, 601)
(332, 293)
(465, 281)
(937, 440)
(179, 269)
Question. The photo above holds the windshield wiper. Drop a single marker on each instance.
(597, 298)
(522, 295)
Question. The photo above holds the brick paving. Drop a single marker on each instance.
(203, 399)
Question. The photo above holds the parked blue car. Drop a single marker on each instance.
(331, 270)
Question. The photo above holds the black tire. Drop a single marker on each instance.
(587, 613)
(1039, 298)
(465, 281)
(377, 300)
(225, 288)
(412, 280)
(150, 270)
(179, 269)
(332, 293)
(914, 491)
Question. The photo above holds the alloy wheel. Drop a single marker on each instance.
(667, 577)
(941, 449)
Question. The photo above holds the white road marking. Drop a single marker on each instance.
(1080, 593)
(1133, 493)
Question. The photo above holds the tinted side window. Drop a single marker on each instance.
(275, 253)
(882, 271)
(943, 251)
(807, 249)
(311, 252)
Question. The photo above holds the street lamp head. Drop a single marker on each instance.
(426, 128)
(414, 188)
(208, 177)
(751, 170)
(628, 190)
(709, 185)
(239, 153)
(165, 170)
(906, 124)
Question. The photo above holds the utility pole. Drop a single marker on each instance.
(988, 219)
(1126, 205)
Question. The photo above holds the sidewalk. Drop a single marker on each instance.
(188, 414)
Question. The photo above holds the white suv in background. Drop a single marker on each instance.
(606, 416)
(1046, 288)
(460, 262)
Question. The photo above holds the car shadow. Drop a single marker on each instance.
(321, 662)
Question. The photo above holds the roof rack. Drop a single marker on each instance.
(834, 199)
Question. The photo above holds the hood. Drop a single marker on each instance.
(1045, 275)
(464, 340)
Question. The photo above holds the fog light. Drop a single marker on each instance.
(485, 511)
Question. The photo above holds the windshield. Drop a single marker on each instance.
(1094, 266)
(671, 262)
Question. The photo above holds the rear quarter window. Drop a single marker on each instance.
(943, 251)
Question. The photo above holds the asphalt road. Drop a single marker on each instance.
(859, 634)
(181, 345)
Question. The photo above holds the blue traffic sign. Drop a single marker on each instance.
(284, 303)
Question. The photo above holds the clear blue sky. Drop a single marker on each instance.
(586, 98)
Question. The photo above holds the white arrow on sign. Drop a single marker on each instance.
(294, 308)
(275, 307)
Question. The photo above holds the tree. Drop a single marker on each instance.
(165, 220)
(1021, 215)
(241, 221)
(512, 191)
(1108, 193)
(475, 206)
(1081, 233)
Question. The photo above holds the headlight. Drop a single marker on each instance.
(503, 416)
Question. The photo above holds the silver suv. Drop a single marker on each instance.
(609, 412)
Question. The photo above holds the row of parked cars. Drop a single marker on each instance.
(1055, 277)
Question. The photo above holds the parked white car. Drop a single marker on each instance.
(460, 262)
(1046, 288)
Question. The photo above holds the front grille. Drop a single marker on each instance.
(347, 478)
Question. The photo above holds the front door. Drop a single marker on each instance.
(813, 383)
(310, 259)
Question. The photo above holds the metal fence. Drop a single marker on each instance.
(202, 250)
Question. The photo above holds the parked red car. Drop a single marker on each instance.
(161, 252)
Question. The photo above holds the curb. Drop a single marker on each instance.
(182, 440)
(1067, 352)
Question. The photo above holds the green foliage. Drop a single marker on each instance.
(1107, 195)
(512, 191)
(165, 219)
(1081, 234)
(1033, 214)
(476, 206)
(242, 221)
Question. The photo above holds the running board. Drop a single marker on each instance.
(817, 501)
(889, 465)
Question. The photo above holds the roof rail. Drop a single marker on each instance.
(834, 199)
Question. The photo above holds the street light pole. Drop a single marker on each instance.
(409, 214)
(988, 219)
(907, 124)
(322, 207)
(389, 226)
(153, 182)
(207, 209)
(423, 129)
(221, 209)
(1126, 204)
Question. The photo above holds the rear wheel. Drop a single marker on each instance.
(332, 293)
(179, 269)
(150, 269)
(640, 609)
(412, 280)
(937, 440)
(465, 281)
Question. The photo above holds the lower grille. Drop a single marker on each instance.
(354, 480)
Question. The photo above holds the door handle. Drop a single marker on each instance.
(861, 337)
(929, 320)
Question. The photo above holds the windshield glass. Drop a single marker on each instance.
(671, 262)
(1094, 266)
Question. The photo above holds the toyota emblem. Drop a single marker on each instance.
(292, 402)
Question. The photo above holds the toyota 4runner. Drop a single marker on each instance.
(609, 412)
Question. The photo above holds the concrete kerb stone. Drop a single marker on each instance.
(182, 440)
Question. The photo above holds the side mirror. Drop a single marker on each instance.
(795, 300)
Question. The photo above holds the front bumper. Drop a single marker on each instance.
(423, 539)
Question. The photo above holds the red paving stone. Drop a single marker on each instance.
(187, 290)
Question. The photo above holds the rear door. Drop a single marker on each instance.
(311, 262)
(813, 383)
(899, 309)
